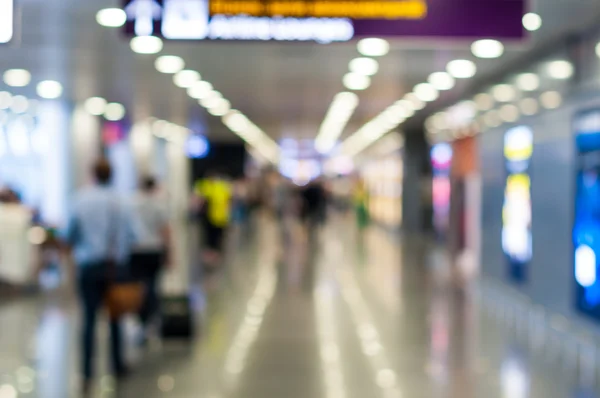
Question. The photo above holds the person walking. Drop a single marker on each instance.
(99, 237)
(214, 193)
(361, 204)
(152, 245)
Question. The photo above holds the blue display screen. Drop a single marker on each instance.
(586, 228)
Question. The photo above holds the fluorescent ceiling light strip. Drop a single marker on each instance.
(337, 117)
(368, 134)
(252, 134)
(238, 123)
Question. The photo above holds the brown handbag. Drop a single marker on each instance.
(124, 298)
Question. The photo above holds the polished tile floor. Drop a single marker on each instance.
(336, 315)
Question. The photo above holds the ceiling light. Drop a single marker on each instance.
(111, 17)
(504, 93)
(364, 66)
(211, 102)
(341, 109)
(441, 80)
(373, 47)
(354, 81)
(509, 113)
(487, 48)
(95, 106)
(532, 21)
(200, 90)
(214, 94)
(146, 44)
(491, 119)
(347, 99)
(236, 121)
(49, 89)
(426, 92)
(528, 81)
(114, 112)
(169, 64)
(221, 108)
(395, 115)
(440, 121)
(551, 99)
(186, 78)
(417, 104)
(402, 108)
(560, 69)
(484, 102)
(598, 49)
(407, 106)
(529, 106)
(19, 104)
(461, 68)
(5, 100)
(17, 77)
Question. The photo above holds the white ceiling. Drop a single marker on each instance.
(285, 89)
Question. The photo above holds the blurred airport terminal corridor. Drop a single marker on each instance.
(299, 199)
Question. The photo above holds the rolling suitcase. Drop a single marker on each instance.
(177, 319)
(176, 312)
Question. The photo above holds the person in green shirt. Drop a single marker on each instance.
(361, 200)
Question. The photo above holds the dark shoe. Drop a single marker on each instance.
(123, 374)
(86, 389)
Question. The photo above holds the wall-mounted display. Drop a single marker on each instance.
(516, 210)
(586, 228)
(383, 180)
(441, 161)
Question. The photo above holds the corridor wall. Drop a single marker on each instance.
(549, 280)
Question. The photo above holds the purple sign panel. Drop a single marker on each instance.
(324, 20)
(497, 19)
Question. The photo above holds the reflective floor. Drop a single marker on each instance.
(336, 315)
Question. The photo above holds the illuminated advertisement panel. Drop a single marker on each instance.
(441, 161)
(586, 228)
(323, 21)
(516, 210)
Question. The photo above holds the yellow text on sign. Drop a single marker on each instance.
(356, 9)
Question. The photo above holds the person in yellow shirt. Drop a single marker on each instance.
(215, 193)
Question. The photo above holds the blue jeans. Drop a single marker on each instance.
(93, 283)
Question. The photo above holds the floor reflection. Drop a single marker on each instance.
(296, 313)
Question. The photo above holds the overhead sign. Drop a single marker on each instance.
(324, 20)
(356, 9)
(7, 18)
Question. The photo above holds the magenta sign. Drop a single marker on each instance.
(498, 19)
(324, 21)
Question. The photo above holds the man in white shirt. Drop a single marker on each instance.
(152, 243)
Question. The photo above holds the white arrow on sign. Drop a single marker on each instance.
(144, 13)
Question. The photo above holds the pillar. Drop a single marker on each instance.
(416, 184)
